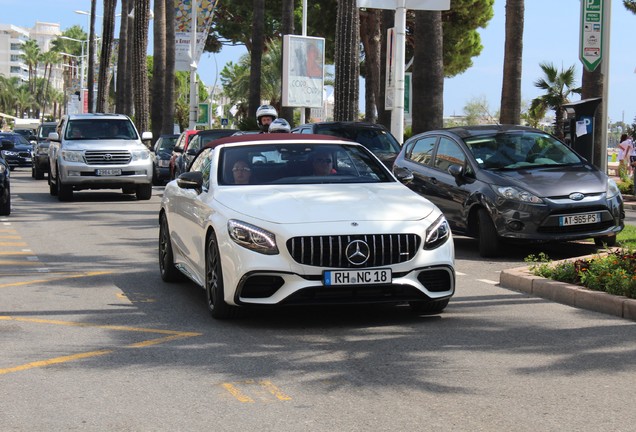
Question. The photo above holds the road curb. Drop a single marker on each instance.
(522, 280)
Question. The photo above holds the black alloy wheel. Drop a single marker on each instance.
(169, 273)
(214, 282)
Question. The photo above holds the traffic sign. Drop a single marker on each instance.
(591, 33)
(224, 122)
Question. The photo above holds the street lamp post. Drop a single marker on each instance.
(83, 60)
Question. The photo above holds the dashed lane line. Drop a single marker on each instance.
(246, 391)
(65, 276)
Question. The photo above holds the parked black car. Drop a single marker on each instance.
(161, 153)
(197, 142)
(40, 164)
(375, 137)
(20, 154)
(511, 183)
(5, 174)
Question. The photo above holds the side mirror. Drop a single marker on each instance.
(54, 136)
(7, 145)
(456, 171)
(191, 152)
(404, 175)
(146, 136)
(190, 180)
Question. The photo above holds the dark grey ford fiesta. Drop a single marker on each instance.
(504, 183)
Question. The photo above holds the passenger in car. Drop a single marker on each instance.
(322, 163)
(241, 172)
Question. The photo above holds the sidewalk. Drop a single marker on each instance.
(520, 279)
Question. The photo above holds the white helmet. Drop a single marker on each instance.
(280, 125)
(265, 110)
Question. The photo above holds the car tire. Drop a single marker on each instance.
(38, 174)
(144, 192)
(64, 192)
(52, 186)
(5, 209)
(169, 273)
(489, 241)
(32, 171)
(609, 241)
(428, 307)
(214, 282)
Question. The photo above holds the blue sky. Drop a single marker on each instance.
(551, 34)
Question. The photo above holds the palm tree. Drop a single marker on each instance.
(31, 57)
(91, 57)
(108, 30)
(630, 5)
(428, 72)
(347, 59)
(23, 100)
(158, 67)
(121, 96)
(168, 106)
(258, 25)
(287, 27)
(140, 67)
(511, 86)
(558, 86)
(371, 36)
(49, 58)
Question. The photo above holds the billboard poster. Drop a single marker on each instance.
(183, 30)
(203, 116)
(303, 71)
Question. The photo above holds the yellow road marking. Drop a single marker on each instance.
(55, 360)
(19, 263)
(172, 335)
(10, 237)
(72, 276)
(265, 384)
(237, 393)
(8, 230)
(16, 244)
(16, 253)
(274, 390)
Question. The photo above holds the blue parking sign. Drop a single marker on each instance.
(224, 122)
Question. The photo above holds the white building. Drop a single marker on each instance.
(12, 39)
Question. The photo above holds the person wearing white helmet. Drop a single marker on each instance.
(280, 125)
(265, 115)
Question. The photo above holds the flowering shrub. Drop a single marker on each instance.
(614, 273)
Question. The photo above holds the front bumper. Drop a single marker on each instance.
(542, 223)
(82, 176)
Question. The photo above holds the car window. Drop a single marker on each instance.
(520, 149)
(202, 163)
(101, 129)
(422, 150)
(17, 139)
(46, 130)
(195, 144)
(448, 153)
(301, 163)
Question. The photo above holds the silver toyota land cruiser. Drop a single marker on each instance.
(99, 151)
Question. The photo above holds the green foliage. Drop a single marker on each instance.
(614, 273)
(461, 38)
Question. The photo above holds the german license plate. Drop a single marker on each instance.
(357, 277)
(580, 219)
(108, 172)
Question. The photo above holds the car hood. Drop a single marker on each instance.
(326, 203)
(554, 181)
(102, 145)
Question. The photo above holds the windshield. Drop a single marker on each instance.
(300, 163)
(16, 139)
(377, 140)
(519, 149)
(45, 130)
(100, 129)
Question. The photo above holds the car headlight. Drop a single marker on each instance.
(163, 163)
(252, 237)
(10, 153)
(140, 155)
(612, 188)
(517, 194)
(437, 234)
(3, 169)
(72, 156)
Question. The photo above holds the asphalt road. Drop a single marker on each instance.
(92, 339)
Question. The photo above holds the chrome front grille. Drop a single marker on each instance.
(330, 251)
(113, 157)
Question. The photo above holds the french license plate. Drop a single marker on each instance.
(580, 219)
(357, 277)
(108, 172)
